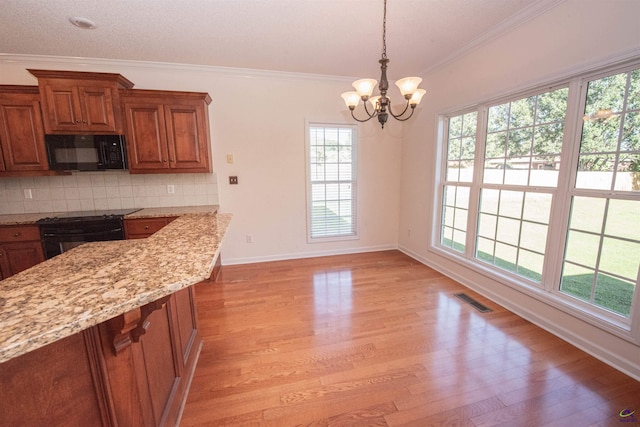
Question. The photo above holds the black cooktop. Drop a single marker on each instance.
(86, 216)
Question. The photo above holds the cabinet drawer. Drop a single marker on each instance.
(19, 233)
(144, 227)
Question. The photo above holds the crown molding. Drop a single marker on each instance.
(514, 21)
(80, 62)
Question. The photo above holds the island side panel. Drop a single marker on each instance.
(54, 385)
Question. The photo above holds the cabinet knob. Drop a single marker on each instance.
(164, 160)
(173, 160)
(146, 227)
(16, 234)
(78, 121)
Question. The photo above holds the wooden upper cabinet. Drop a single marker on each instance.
(167, 131)
(22, 147)
(81, 102)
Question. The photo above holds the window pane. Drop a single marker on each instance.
(487, 226)
(496, 145)
(552, 106)
(577, 281)
(533, 236)
(530, 265)
(620, 257)
(614, 294)
(537, 207)
(522, 112)
(623, 219)
(582, 248)
(587, 214)
(606, 93)
(633, 100)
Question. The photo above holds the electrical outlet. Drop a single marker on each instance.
(171, 189)
(249, 238)
(28, 194)
(233, 180)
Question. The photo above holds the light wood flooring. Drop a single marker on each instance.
(379, 339)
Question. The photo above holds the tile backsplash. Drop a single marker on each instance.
(84, 191)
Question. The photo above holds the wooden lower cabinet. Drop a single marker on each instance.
(140, 228)
(20, 248)
(133, 370)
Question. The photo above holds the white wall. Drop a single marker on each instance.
(573, 36)
(259, 117)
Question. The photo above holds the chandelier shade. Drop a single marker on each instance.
(381, 104)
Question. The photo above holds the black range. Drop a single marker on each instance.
(70, 229)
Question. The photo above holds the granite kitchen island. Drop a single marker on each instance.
(106, 334)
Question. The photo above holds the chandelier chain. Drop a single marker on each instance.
(384, 31)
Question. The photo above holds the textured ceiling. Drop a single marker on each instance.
(330, 37)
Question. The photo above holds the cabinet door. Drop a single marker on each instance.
(20, 256)
(2, 167)
(97, 108)
(21, 133)
(73, 108)
(4, 267)
(183, 307)
(187, 136)
(63, 112)
(146, 136)
(156, 358)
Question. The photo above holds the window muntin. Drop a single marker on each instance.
(332, 181)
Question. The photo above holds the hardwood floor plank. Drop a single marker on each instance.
(378, 339)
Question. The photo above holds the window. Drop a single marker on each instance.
(512, 175)
(520, 174)
(331, 183)
(602, 253)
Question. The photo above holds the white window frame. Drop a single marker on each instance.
(353, 234)
(548, 289)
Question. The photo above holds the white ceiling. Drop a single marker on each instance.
(329, 37)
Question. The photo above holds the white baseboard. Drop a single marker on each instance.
(300, 255)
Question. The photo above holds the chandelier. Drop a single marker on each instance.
(381, 104)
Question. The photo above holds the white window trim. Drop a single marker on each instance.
(355, 178)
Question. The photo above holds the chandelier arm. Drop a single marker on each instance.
(406, 118)
(371, 116)
(366, 109)
(397, 116)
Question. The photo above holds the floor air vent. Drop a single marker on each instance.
(466, 298)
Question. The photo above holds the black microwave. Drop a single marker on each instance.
(86, 152)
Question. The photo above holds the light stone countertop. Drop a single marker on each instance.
(97, 281)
